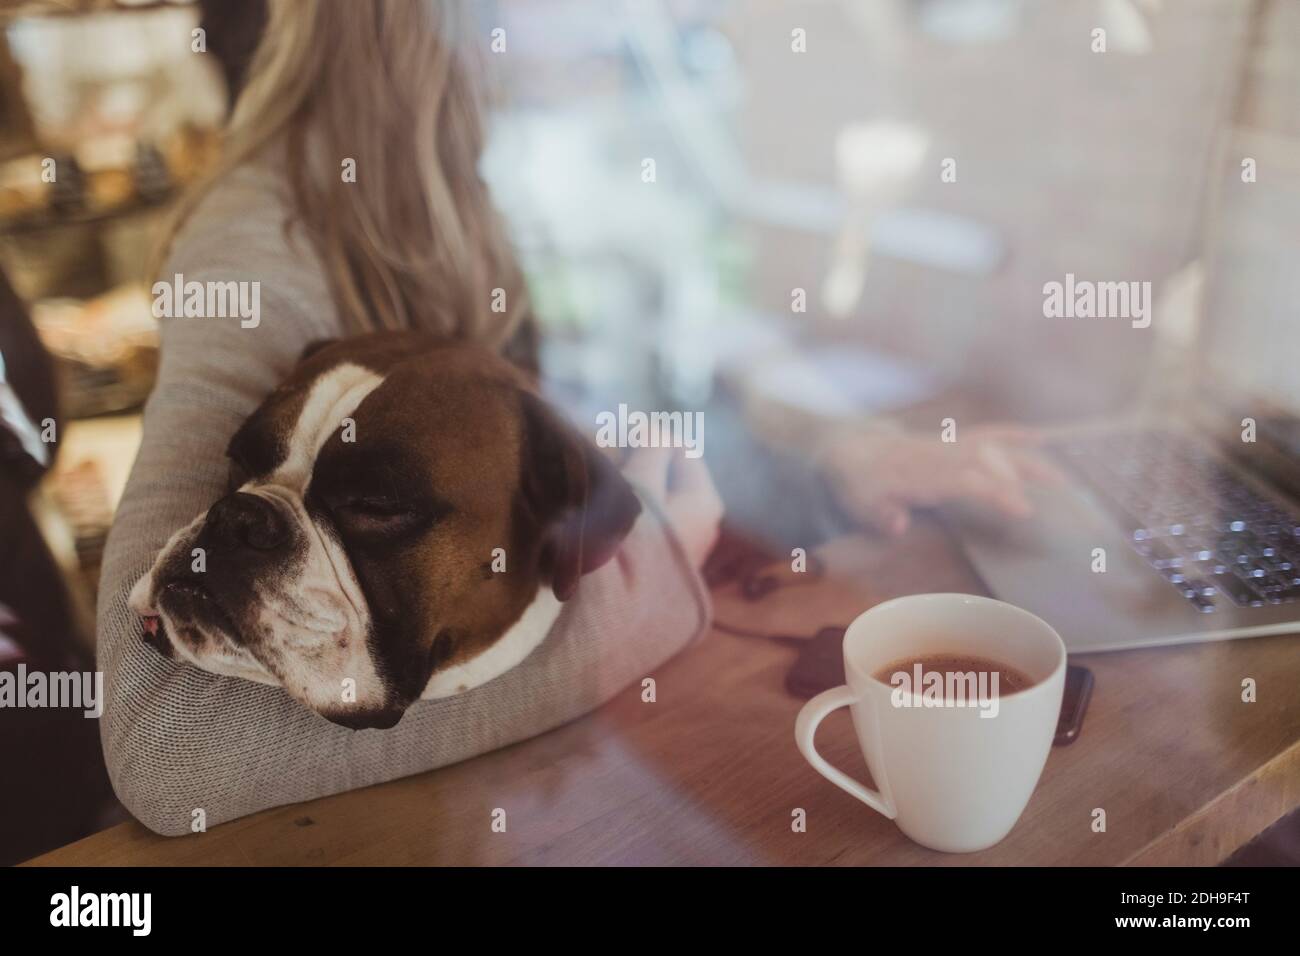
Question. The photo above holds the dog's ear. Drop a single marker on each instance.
(585, 506)
(313, 347)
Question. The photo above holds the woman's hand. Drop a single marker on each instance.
(878, 477)
(685, 490)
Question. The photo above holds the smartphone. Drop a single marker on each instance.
(1074, 704)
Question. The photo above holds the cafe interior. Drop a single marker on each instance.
(853, 212)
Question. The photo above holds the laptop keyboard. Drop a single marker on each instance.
(1208, 533)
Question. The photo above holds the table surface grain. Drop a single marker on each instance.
(709, 774)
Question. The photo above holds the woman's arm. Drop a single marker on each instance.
(177, 739)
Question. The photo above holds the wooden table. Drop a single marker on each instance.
(709, 773)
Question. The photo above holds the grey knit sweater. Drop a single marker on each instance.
(177, 739)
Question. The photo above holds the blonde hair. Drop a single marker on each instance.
(414, 241)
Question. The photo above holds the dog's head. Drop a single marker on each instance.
(393, 509)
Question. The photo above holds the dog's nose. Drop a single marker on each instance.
(245, 520)
(378, 719)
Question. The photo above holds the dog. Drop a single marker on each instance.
(403, 519)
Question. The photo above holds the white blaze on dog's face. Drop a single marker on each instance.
(304, 622)
(352, 561)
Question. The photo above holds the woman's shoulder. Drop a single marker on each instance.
(242, 243)
(245, 221)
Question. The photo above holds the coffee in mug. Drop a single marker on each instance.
(952, 776)
(953, 671)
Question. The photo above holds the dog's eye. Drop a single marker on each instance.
(373, 506)
(377, 516)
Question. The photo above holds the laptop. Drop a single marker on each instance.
(1172, 528)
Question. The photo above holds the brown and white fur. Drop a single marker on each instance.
(352, 560)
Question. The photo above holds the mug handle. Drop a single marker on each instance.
(805, 728)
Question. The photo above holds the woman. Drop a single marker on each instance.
(375, 88)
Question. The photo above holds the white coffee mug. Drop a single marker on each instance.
(951, 779)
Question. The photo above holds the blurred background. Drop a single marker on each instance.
(788, 213)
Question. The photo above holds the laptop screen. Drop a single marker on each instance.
(1249, 342)
(1252, 294)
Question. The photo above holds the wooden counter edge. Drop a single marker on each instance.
(1231, 820)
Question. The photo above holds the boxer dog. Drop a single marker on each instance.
(354, 560)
